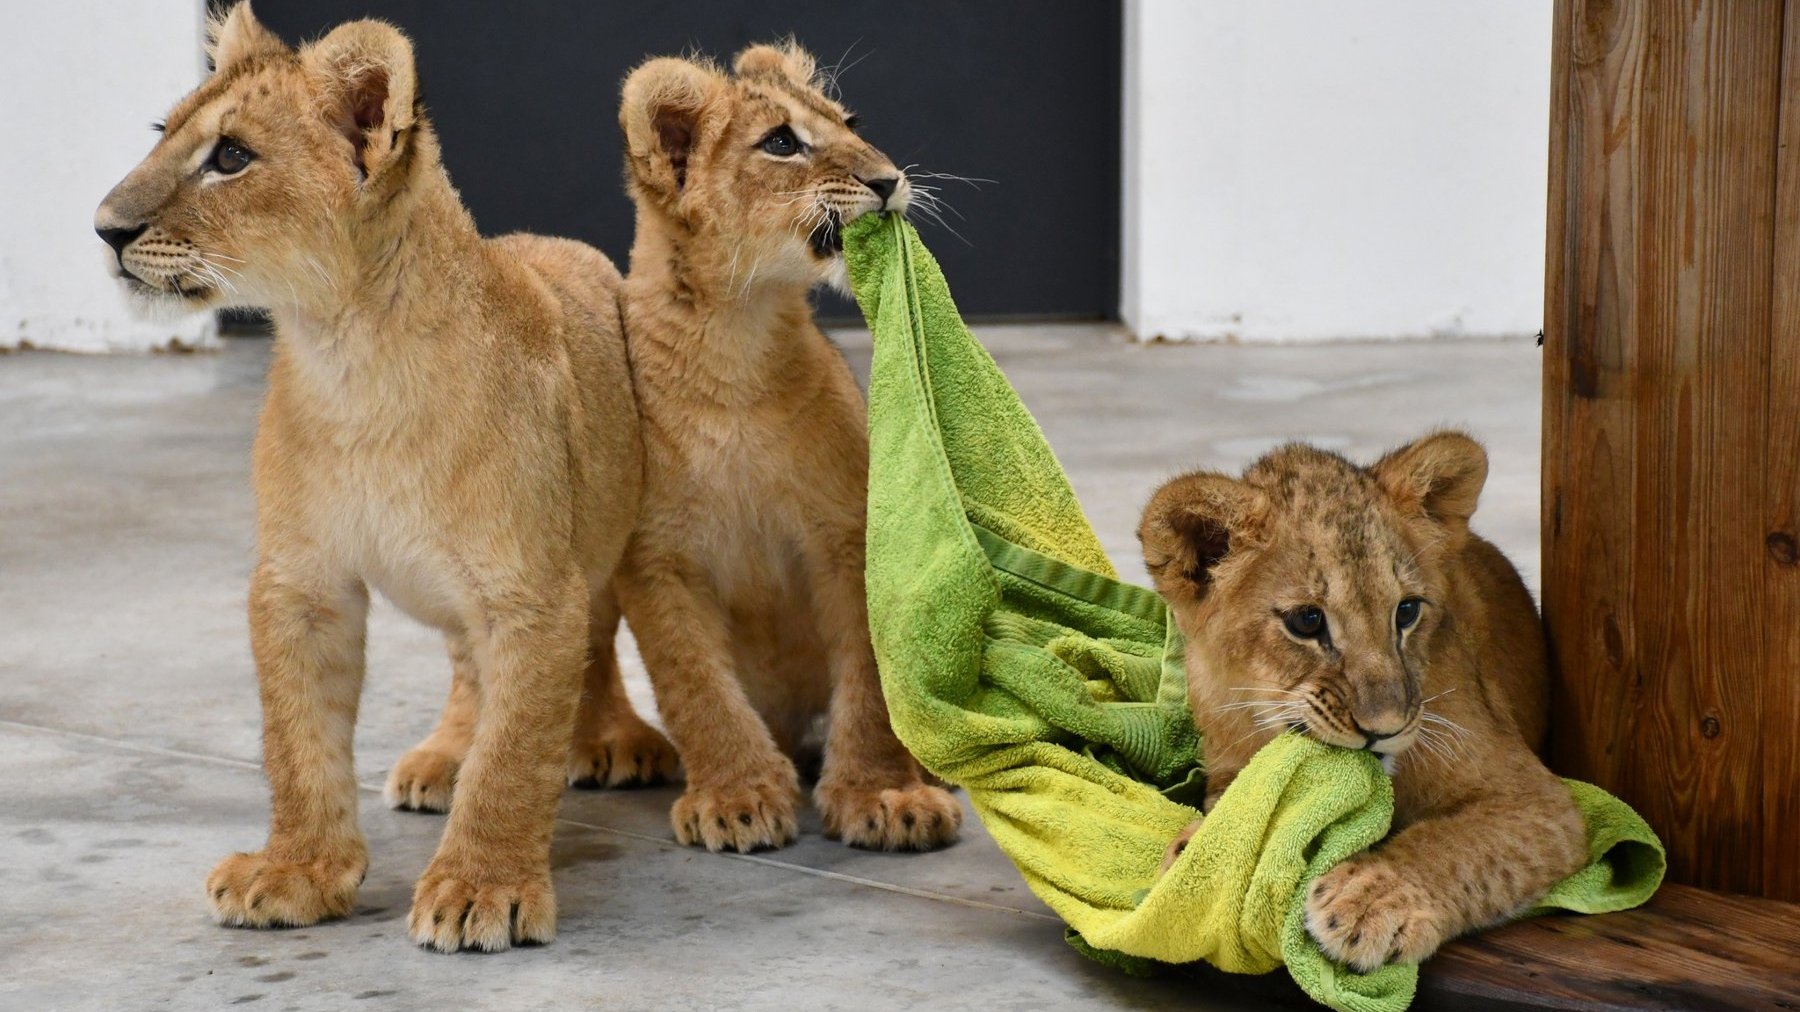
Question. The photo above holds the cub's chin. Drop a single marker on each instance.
(837, 275)
(163, 305)
(826, 244)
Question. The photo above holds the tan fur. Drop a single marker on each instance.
(744, 581)
(449, 421)
(1481, 827)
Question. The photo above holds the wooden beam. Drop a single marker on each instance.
(1780, 677)
(1669, 426)
(1685, 949)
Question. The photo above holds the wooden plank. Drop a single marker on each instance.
(1589, 336)
(1707, 148)
(1686, 949)
(1659, 365)
(1781, 629)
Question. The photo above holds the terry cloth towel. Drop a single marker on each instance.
(1017, 665)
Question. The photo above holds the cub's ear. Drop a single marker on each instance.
(235, 35)
(786, 59)
(662, 109)
(1439, 478)
(364, 75)
(1192, 524)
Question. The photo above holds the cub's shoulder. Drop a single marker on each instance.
(566, 261)
(1493, 577)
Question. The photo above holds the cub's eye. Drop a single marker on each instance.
(781, 142)
(1407, 613)
(1307, 622)
(853, 122)
(229, 158)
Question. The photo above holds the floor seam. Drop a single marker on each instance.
(667, 844)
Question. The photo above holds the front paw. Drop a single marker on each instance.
(480, 905)
(630, 754)
(257, 891)
(1365, 913)
(744, 816)
(915, 816)
(424, 780)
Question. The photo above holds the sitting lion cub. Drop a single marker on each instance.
(449, 421)
(1354, 604)
(744, 580)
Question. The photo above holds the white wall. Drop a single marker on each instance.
(1315, 169)
(81, 82)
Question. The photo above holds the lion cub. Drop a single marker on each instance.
(744, 581)
(1354, 604)
(449, 421)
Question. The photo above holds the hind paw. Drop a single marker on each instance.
(914, 817)
(424, 780)
(629, 756)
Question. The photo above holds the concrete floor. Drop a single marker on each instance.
(129, 726)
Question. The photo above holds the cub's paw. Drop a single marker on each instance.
(740, 816)
(255, 891)
(422, 781)
(481, 908)
(914, 817)
(1364, 913)
(633, 754)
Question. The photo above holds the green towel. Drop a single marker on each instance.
(1017, 665)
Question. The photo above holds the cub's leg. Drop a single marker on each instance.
(423, 779)
(871, 792)
(613, 747)
(488, 886)
(1444, 875)
(741, 789)
(306, 630)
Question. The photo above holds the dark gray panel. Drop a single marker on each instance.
(1023, 92)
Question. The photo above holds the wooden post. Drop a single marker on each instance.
(1672, 424)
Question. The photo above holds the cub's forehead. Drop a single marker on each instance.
(251, 82)
(1335, 517)
(781, 97)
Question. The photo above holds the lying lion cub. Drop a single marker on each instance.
(744, 581)
(1354, 604)
(449, 420)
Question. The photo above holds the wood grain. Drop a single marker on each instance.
(1669, 426)
(1687, 949)
(1781, 559)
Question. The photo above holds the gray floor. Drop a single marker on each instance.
(129, 728)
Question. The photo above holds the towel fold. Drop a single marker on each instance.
(1017, 665)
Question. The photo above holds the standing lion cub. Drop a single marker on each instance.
(1353, 604)
(449, 421)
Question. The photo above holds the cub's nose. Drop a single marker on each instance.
(883, 187)
(1379, 727)
(119, 237)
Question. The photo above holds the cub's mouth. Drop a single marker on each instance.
(174, 286)
(827, 238)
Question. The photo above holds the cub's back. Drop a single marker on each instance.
(585, 319)
(1506, 636)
